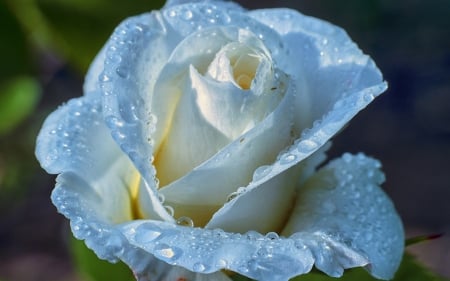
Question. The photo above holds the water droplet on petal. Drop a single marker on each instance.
(261, 172)
(368, 97)
(272, 235)
(169, 210)
(221, 263)
(161, 197)
(300, 245)
(146, 233)
(104, 78)
(172, 13)
(187, 15)
(165, 252)
(347, 157)
(253, 235)
(287, 158)
(306, 146)
(232, 196)
(122, 72)
(185, 221)
(199, 267)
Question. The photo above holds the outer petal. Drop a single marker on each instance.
(107, 239)
(331, 91)
(265, 207)
(138, 243)
(130, 70)
(75, 142)
(344, 202)
(229, 4)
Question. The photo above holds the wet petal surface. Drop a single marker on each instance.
(344, 201)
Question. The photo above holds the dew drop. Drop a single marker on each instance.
(368, 97)
(221, 263)
(300, 245)
(287, 159)
(146, 233)
(185, 221)
(253, 235)
(232, 196)
(198, 267)
(104, 78)
(172, 13)
(169, 210)
(165, 252)
(272, 235)
(187, 15)
(306, 146)
(261, 172)
(347, 157)
(122, 72)
(161, 196)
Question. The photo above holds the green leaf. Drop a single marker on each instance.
(422, 238)
(14, 53)
(410, 270)
(94, 269)
(18, 99)
(81, 27)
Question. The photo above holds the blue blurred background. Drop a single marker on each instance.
(47, 45)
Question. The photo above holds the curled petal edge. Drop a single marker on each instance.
(205, 251)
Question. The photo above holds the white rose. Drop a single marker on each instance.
(219, 118)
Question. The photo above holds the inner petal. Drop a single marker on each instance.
(213, 105)
(237, 63)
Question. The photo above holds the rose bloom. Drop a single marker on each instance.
(195, 150)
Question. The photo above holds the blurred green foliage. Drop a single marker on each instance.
(15, 56)
(69, 32)
(19, 99)
(76, 29)
(94, 269)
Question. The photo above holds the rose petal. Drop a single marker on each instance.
(91, 86)
(209, 185)
(331, 91)
(230, 5)
(266, 207)
(197, 49)
(84, 210)
(344, 202)
(190, 141)
(134, 57)
(329, 64)
(75, 143)
(198, 116)
(130, 72)
(199, 250)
